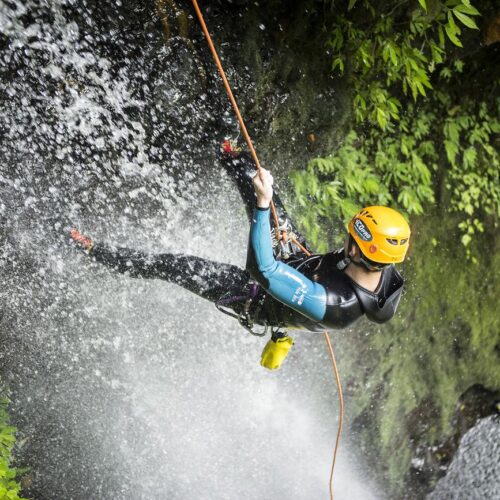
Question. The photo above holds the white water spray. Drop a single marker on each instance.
(128, 388)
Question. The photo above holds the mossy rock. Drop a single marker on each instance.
(444, 340)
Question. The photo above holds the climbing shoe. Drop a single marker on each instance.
(230, 147)
(84, 241)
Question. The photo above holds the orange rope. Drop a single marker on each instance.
(276, 222)
(341, 413)
(301, 247)
(339, 388)
(233, 102)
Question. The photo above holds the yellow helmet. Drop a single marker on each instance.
(381, 233)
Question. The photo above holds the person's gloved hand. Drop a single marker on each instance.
(263, 185)
(275, 352)
(82, 240)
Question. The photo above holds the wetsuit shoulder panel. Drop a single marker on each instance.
(342, 304)
(380, 306)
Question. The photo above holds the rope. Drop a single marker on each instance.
(234, 103)
(339, 390)
(281, 235)
(341, 412)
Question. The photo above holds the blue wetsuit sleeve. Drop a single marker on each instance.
(285, 283)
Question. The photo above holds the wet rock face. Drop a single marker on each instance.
(431, 462)
(475, 470)
(476, 403)
(492, 31)
(109, 125)
(277, 62)
(89, 86)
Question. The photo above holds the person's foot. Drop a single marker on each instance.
(82, 240)
(230, 147)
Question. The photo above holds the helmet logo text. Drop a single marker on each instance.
(362, 231)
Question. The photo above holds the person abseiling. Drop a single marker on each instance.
(281, 287)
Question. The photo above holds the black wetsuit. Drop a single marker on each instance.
(235, 288)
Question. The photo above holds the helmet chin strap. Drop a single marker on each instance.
(342, 265)
(365, 266)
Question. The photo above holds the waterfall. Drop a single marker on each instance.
(126, 388)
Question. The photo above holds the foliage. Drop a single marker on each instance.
(474, 165)
(439, 151)
(9, 487)
(424, 138)
(439, 144)
(393, 48)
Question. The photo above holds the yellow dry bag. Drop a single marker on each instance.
(275, 352)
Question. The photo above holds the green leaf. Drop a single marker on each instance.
(452, 131)
(459, 65)
(423, 4)
(371, 185)
(446, 73)
(352, 3)
(338, 40)
(465, 19)
(470, 156)
(441, 36)
(466, 239)
(381, 118)
(467, 9)
(385, 53)
(420, 87)
(413, 63)
(359, 102)
(338, 62)
(451, 22)
(392, 53)
(451, 151)
(452, 35)
(348, 207)
(332, 188)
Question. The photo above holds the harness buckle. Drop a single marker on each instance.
(245, 317)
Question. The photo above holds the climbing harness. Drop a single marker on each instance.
(251, 304)
(280, 233)
(250, 307)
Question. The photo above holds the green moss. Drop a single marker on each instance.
(444, 339)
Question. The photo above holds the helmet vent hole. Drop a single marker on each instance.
(392, 241)
(403, 241)
(368, 215)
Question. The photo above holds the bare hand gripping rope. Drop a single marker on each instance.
(280, 234)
